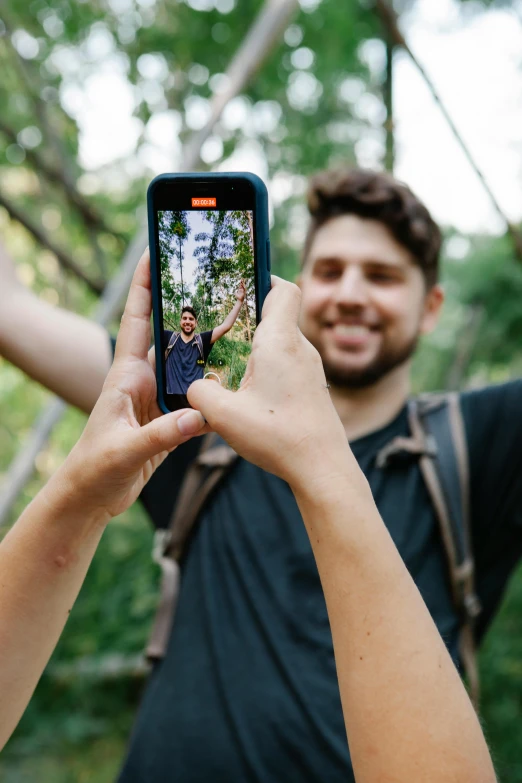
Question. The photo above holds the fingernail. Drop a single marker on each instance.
(190, 423)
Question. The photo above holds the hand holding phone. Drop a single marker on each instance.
(282, 418)
(210, 275)
(126, 437)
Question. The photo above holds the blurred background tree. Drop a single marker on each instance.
(72, 194)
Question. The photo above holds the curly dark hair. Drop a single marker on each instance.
(379, 196)
(189, 309)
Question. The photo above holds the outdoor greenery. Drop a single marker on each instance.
(225, 259)
(67, 222)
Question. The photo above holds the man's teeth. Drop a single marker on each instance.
(350, 330)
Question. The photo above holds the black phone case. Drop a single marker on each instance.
(261, 253)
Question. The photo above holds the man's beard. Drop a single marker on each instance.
(386, 361)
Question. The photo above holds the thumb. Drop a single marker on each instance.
(212, 400)
(166, 432)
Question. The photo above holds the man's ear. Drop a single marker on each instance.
(433, 302)
(298, 280)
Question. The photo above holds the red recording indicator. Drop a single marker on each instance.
(203, 202)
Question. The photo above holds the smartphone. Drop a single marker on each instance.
(210, 267)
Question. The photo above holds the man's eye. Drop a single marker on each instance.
(328, 274)
(382, 277)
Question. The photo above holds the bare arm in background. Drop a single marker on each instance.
(228, 323)
(65, 352)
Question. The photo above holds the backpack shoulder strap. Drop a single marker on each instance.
(199, 343)
(446, 474)
(213, 462)
(174, 337)
(438, 438)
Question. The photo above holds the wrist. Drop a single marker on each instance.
(333, 485)
(66, 496)
(341, 519)
(328, 488)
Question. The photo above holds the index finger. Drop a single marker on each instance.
(134, 335)
(282, 305)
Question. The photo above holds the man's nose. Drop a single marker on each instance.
(351, 290)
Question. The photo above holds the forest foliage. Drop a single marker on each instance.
(225, 259)
(317, 101)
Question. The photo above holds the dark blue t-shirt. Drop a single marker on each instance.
(185, 363)
(248, 689)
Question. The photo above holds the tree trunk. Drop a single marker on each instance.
(181, 272)
(389, 159)
(251, 227)
(247, 318)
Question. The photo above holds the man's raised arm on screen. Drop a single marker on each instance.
(230, 320)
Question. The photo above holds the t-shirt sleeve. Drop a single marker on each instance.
(206, 337)
(165, 339)
(493, 423)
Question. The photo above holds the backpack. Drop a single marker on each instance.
(437, 438)
(174, 339)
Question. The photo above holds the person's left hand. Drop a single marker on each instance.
(127, 437)
(241, 292)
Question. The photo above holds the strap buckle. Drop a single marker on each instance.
(160, 544)
(400, 447)
(472, 606)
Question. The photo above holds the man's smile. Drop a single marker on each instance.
(350, 332)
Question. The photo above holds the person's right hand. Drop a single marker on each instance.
(241, 292)
(282, 417)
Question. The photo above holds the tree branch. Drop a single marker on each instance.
(390, 20)
(389, 125)
(42, 238)
(55, 175)
(258, 42)
(61, 173)
(28, 77)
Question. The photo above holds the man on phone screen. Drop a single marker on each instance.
(186, 352)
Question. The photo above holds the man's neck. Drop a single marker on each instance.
(186, 337)
(363, 411)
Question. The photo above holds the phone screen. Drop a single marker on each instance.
(208, 288)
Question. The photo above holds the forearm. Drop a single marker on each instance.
(65, 352)
(43, 562)
(407, 714)
(231, 318)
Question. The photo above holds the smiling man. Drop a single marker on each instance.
(369, 285)
(186, 352)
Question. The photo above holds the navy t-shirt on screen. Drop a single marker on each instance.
(248, 691)
(184, 363)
